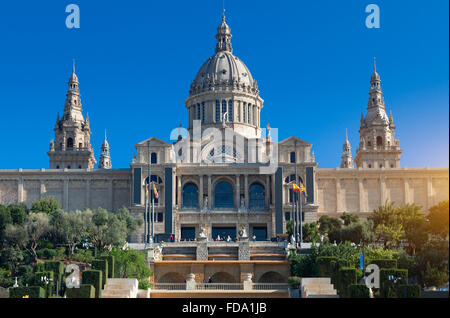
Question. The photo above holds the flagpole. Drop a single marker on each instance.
(296, 201)
(294, 234)
(149, 234)
(153, 212)
(301, 221)
(145, 213)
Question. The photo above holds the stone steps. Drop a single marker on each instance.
(318, 287)
(121, 288)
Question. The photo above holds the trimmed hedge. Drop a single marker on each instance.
(85, 291)
(412, 291)
(358, 291)
(110, 260)
(346, 277)
(31, 291)
(57, 267)
(47, 287)
(94, 277)
(328, 267)
(39, 267)
(101, 265)
(388, 288)
(294, 282)
(385, 263)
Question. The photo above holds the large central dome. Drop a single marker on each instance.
(224, 91)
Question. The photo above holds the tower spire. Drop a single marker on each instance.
(223, 36)
(347, 160)
(105, 157)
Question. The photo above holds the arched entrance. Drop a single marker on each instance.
(272, 278)
(172, 278)
(222, 278)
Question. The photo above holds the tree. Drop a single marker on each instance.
(311, 232)
(5, 219)
(328, 224)
(45, 205)
(438, 219)
(415, 227)
(105, 229)
(388, 225)
(349, 218)
(289, 227)
(28, 235)
(18, 213)
(435, 277)
(132, 223)
(69, 227)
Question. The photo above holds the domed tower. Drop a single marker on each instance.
(378, 147)
(105, 158)
(224, 90)
(347, 161)
(71, 148)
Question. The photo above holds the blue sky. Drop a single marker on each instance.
(136, 60)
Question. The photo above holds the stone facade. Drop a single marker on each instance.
(224, 171)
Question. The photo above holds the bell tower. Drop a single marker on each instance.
(347, 161)
(71, 148)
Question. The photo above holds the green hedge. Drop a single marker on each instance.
(85, 291)
(358, 291)
(110, 260)
(101, 265)
(40, 267)
(47, 287)
(328, 267)
(385, 263)
(294, 282)
(93, 277)
(346, 277)
(412, 291)
(389, 289)
(57, 268)
(32, 292)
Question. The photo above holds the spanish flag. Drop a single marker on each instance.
(295, 187)
(303, 190)
(155, 192)
(146, 189)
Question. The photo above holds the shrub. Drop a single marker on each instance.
(101, 265)
(94, 278)
(26, 275)
(346, 277)
(328, 267)
(110, 260)
(39, 267)
(144, 283)
(358, 291)
(388, 288)
(84, 256)
(385, 263)
(48, 287)
(57, 268)
(294, 282)
(32, 292)
(303, 265)
(85, 291)
(412, 291)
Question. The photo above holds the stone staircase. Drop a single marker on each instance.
(121, 288)
(267, 253)
(318, 288)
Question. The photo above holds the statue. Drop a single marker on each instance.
(224, 119)
(205, 204)
(203, 235)
(243, 231)
(242, 203)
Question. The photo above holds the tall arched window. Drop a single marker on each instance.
(244, 116)
(217, 111)
(223, 195)
(70, 143)
(224, 107)
(230, 111)
(257, 196)
(190, 196)
(154, 158)
(379, 141)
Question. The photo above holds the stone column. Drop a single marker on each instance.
(238, 191)
(180, 194)
(209, 192)
(66, 195)
(200, 193)
(20, 190)
(382, 190)
(190, 282)
(267, 192)
(88, 194)
(338, 196)
(111, 194)
(406, 190)
(248, 284)
(361, 196)
(42, 190)
(246, 190)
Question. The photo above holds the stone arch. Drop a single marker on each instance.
(224, 193)
(222, 277)
(257, 195)
(272, 277)
(190, 196)
(172, 278)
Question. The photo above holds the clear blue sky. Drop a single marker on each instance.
(136, 60)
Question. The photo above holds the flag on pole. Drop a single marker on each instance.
(146, 189)
(155, 192)
(303, 190)
(295, 187)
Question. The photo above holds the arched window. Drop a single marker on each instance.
(70, 143)
(257, 196)
(156, 180)
(223, 195)
(154, 158)
(190, 196)
(230, 111)
(224, 107)
(290, 178)
(379, 141)
(244, 116)
(293, 159)
(217, 111)
(203, 112)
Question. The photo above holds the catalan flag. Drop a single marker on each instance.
(303, 190)
(295, 187)
(155, 192)
(146, 189)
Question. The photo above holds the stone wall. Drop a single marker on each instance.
(363, 190)
(73, 189)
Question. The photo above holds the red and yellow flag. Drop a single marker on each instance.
(303, 190)
(295, 187)
(155, 192)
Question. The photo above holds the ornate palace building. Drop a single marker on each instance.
(224, 172)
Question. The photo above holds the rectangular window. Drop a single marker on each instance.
(198, 111)
(239, 113)
(224, 107)
(217, 111)
(287, 216)
(159, 217)
(249, 114)
(203, 112)
(230, 111)
(244, 117)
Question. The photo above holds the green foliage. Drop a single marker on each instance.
(358, 291)
(57, 268)
(144, 283)
(346, 277)
(70, 227)
(294, 282)
(289, 227)
(389, 288)
(412, 291)
(310, 232)
(40, 267)
(5, 219)
(31, 292)
(94, 278)
(45, 205)
(355, 232)
(435, 276)
(303, 265)
(129, 264)
(39, 282)
(18, 213)
(81, 255)
(25, 275)
(327, 265)
(328, 224)
(349, 218)
(85, 291)
(439, 219)
(110, 260)
(343, 252)
(385, 263)
(101, 265)
(46, 253)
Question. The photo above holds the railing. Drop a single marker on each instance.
(270, 286)
(219, 286)
(168, 286)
